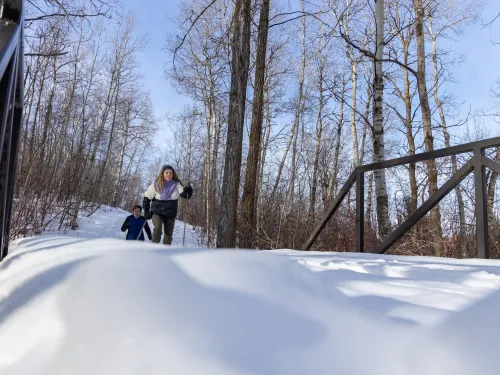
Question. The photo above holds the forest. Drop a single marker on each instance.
(286, 98)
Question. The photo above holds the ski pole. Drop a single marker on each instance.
(187, 217)
(140, 232)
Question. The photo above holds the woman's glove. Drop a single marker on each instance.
(187, 192)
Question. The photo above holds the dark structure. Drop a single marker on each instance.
(477, 164)
(11, 107)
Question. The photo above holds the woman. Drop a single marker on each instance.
(160, 203)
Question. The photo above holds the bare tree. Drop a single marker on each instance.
(426, 116)
(250, 187)
(378, 123)
(240, 47)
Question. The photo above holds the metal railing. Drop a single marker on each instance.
(478, 163)
(11, 107)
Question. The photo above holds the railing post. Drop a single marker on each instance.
(11, 107)
(478, 162)
(360, 211)
(481, 208)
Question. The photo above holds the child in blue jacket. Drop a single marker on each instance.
(134, 224)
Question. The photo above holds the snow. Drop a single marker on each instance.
(92, 303)
(107, 221)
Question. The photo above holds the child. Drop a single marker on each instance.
(135, 223)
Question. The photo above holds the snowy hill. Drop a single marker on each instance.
(97, 305)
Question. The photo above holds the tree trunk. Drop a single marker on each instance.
(446, 134)
(209, 181)
(426, 119)
(212, 149)
(240, 47)
(82, 167)
(378, 125)
(298, 111)
(354, 79)
(266, 136)
(249, 189)
(491, 192)
(282, 164)
(111, 131)
(366, 126)
(369, 199)
(409, 131)
(107, 107)
(117, 185)
(319, 133)
(336, 149)
(47, 123)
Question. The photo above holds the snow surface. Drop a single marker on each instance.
(87, 304)
(107, 221)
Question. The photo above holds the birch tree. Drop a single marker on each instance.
(378, 124)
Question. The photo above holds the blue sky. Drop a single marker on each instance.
(477, 75)
(474, 77)
(153, 59)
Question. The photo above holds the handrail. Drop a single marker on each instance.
(442, 152)
(11, 108)
(10, 46)
(477, 163)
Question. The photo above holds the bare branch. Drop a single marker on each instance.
(80, 15)
(190, 28)
(51, 54)
(491, 22)
(302, 14)
(372, 56)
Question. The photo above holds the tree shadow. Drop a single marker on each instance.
(382, 306)
(158, 304)
(35, 286)
(21, 253)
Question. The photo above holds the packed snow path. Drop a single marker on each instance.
(107, 221)
(93, 305)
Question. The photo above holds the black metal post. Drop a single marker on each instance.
(14, 121)
(11, 107)
(6, 118)
(491, 164)
(481, 208)
(5, 97)
(360, 211)
(478, 163)
(439, 153)
(14, 146)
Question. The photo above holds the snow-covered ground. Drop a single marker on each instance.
(92, 303)
(107, 221)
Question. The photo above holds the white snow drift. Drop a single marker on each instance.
(109, 306)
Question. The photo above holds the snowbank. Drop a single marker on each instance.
(106, 306)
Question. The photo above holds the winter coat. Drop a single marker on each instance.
(135, 226)
(158, 203)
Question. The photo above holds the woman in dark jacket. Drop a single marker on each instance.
(161, 202)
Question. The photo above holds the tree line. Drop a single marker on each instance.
(88, 122)
(288, 97)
